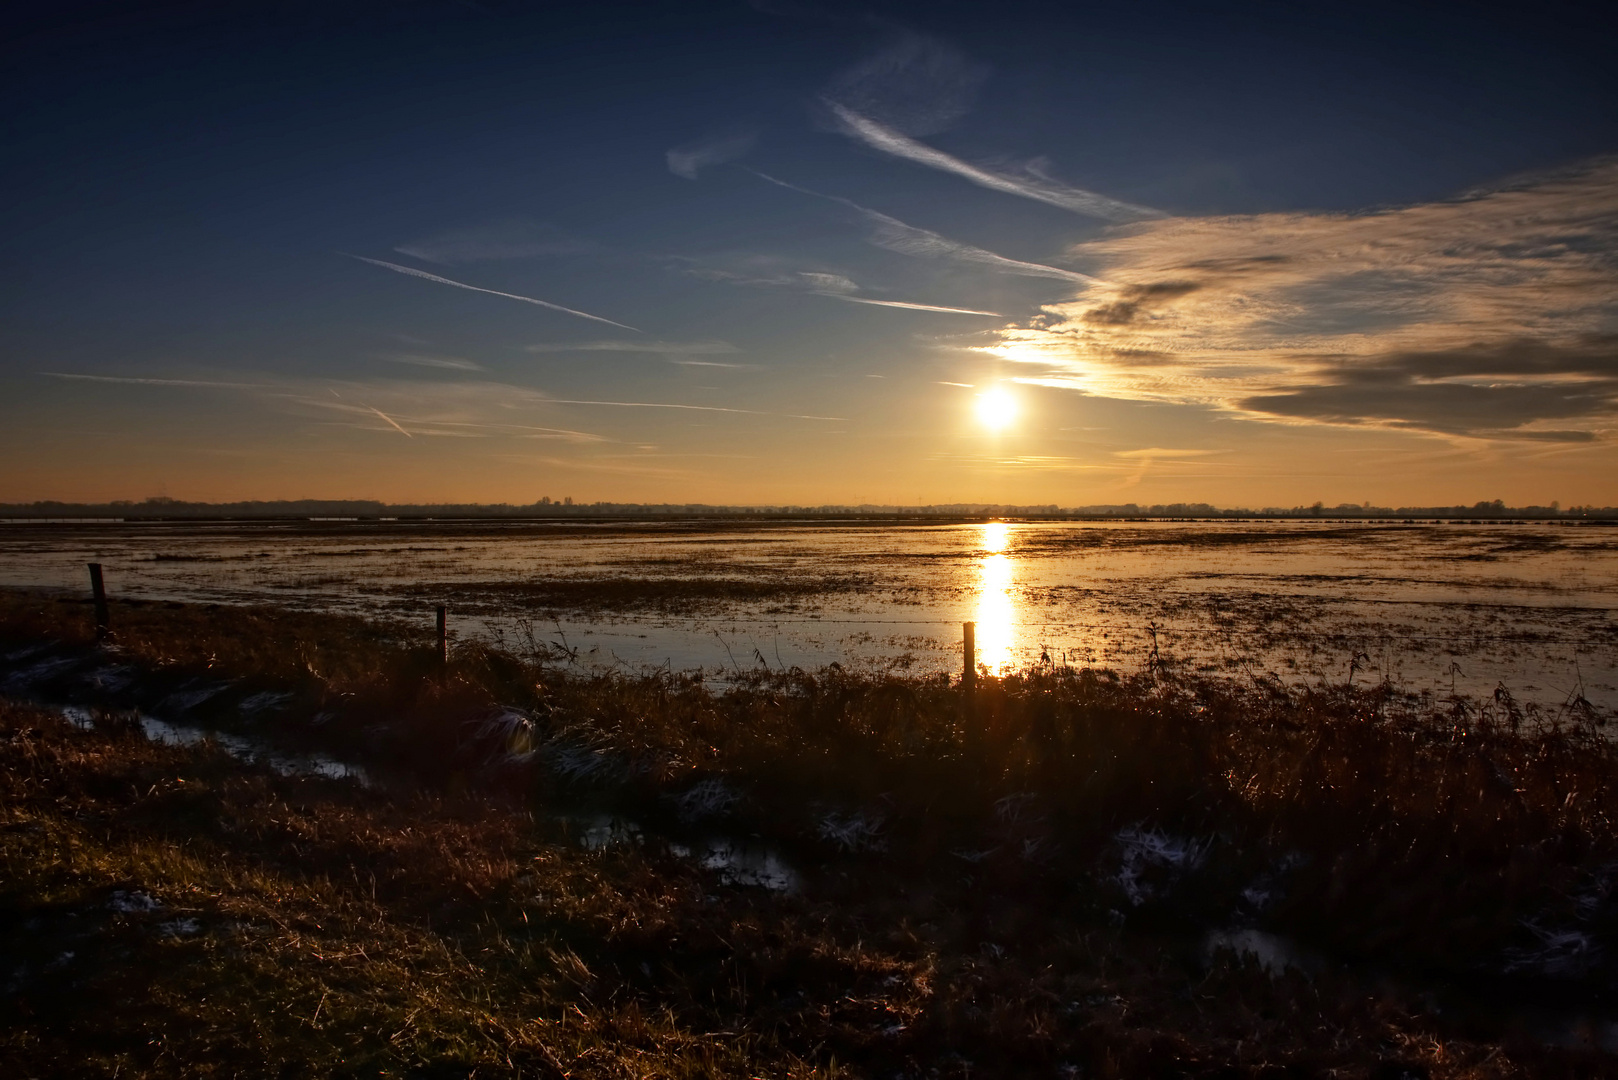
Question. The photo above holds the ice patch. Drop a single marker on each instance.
(244, 749)
(746, 864)
(601, 831)
(1151, 860)
(80, 717)
(132, 903)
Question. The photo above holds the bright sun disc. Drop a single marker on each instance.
(996, 409)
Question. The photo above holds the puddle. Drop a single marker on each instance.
(240, 747)
(245, 749)
(737, 862)
(597, 832)
(80, 717)
(752, 865)
(185, 700)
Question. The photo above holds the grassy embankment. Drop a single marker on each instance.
(1009, 892)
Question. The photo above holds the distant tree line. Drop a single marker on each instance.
(162, 508)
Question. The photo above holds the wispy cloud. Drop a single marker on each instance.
(664, 348)
(1033, 185)
(416, 408)
(821, 283)
(689, 160)
(895, 235)
(502, 240)
(1493, 315)
(919, 85)
(391, 422)
(137, 381)
(691, 408)
(909, 306)
(451, 363)
(1162, 452)
(413, 272)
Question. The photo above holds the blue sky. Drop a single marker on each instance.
(783, 253)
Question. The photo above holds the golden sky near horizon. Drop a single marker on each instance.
(518, 283)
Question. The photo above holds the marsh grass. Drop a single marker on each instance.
(1462, 842)
(172, 911)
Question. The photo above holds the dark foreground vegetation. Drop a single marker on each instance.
(1080, 874)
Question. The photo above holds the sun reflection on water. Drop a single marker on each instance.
(995, 609)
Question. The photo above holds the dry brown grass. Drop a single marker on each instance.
(309, 928)
(971, 930)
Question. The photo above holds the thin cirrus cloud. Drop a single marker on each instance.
(819, 283)
(664, 348)
(1035, 185)
(503, 240)
(448, 363)
(1491, 315)
(919, 85)
(895, 235)
(424, 275)
(416, 408)
(130, 380)
(691, 408)
(675, 352)
(689, 160)
(390, 421)
(910, 306)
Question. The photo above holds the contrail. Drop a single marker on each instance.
(896, 235)
(694, 408)
(152, 382)
(883, 138)
(492, 292)
(912, 307)
(389, 419)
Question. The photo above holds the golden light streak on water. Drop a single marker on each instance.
(996, 611)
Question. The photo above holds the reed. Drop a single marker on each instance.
(1442, 838)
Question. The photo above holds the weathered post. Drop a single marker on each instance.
(969, 672)
(443, 637)
(98, 589)
(969, 679)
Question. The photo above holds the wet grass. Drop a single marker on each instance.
(1008, 888)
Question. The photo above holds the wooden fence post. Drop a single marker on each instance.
(98, 589)
(969, 670)
(443, 636)
(969, 679)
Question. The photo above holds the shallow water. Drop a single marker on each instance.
(241, 747)
(1434, 608)
(736, 861)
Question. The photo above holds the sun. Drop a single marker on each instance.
(996, 409)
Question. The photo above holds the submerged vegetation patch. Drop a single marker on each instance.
(682, 595)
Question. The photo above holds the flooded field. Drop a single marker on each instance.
(1439, 608)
